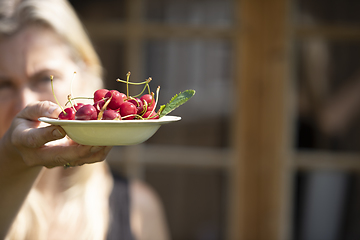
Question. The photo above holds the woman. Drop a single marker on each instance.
(40, 199)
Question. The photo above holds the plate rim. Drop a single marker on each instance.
(163, 120)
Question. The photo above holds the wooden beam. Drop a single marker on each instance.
(181, 156)
(261, 136)
(318, 160)
(329, 32)
(121, 30)
(134, 50)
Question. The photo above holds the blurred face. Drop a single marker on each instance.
(27, 60)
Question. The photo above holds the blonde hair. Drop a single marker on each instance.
(85, 210)
(87, 192)
(60, 17)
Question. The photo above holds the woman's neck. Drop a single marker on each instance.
(64, 192)
(54, 181)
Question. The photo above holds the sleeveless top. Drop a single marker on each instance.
(119, 226)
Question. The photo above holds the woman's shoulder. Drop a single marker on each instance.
(136, 202)
(148, 219)
(139, 193)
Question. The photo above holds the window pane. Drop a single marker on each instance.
(192, 12)
(177, 65)
(111, 55)
(100, 10)
(328, 12)
(329, 102)
(194, 200)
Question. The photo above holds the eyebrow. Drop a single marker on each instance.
(45, 72)
(4, 79)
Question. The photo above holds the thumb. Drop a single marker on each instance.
(37, 137)
(40, 109)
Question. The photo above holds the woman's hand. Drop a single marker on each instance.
(29, 141)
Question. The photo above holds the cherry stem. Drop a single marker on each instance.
(88, 98)
(145, 106)
(146, 85)
(52, 89)
(101, 113)
(134, 83)
(157, 98)
(69, 100)
(131, 115)
(72, 80)
(127, 84)
(146, 82)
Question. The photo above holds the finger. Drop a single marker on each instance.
(74, 155)
(37, 137)
(98, 156)
(40, 109)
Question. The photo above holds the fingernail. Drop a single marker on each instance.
(52, 109)
(56, 133)
(96, 149)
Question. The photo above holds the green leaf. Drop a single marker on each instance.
(161, 108)
(176, 101)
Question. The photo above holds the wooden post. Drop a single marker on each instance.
(134, 40)
(262, 133)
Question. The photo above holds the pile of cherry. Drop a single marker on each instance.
(111, 105)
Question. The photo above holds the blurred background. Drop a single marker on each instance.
(268, 148)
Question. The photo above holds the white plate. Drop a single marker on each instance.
(110, 132)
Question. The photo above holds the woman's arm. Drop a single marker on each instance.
(23, 154)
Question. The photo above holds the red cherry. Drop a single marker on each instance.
(98, 105)
(126, 109)
(86, 112)
(111, 115)
(67, 114)
(138, 104)
(150, 115)
(150, 101)
(79, 105)
(100, 94)
(116, 100)
(150, 108)
(148, 98)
